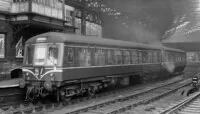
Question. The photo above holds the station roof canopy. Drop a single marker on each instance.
(156, 14)
(187, 42)
(174, 20)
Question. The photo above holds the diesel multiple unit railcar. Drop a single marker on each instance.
(66, 65)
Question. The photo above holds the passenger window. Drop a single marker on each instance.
(158, 57)
(178, 58)
(154, 57)
(84, 57)
(149, 57)
(144, 57)
(140, 56)
(70, 55)
(109, 55)
(99, 57)
(103, 57)
(118, 57)
(127, 57)
(166, 56)
(171, 57)
(182, 58)
(175, 57)
(134, 57)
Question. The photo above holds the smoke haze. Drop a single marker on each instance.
(146, 22)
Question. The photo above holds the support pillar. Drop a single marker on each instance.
(73, 18)
(83, 19)
(83, 22)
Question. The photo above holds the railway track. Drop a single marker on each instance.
(126, 102)
(186, 106)
(29, 108)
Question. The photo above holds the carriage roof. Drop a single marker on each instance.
(56, 37)
(173, 49)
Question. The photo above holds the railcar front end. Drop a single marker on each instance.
(42, 69)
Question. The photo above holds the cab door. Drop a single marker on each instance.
(69, 63)
(69, 57)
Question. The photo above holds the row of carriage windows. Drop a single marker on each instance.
(171, 57)
(102, 56)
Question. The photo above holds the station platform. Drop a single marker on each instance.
(10, 83)
(10, 92)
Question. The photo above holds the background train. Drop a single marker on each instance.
(66, 65)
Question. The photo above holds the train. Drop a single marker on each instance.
(66, 65)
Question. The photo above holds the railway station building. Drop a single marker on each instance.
(22, 19)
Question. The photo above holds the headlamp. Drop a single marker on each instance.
(21, 83)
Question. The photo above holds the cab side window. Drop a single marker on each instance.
(70, 55)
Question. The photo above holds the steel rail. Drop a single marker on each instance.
(181, 105)
(121, 106)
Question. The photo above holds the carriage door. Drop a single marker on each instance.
(69, 57)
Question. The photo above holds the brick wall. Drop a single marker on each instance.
(6, 63)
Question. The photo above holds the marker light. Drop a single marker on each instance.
(51, 74)
(27, 74)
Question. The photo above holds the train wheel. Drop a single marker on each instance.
(124, 81)
(91, 91)
(64, 98)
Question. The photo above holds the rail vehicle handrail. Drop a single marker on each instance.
(179, 105)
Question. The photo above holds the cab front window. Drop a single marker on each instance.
(29, 55)
(42, 54)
